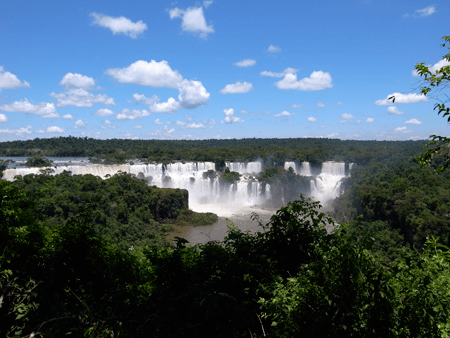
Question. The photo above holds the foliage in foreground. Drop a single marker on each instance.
(290, 280)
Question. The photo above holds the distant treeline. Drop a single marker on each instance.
(271, 151)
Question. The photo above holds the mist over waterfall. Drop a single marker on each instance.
(208, 191)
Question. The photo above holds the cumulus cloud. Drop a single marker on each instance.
(402, 98)
(317, 81)
(311, 119)
(413, 121)
(394, 110)
(435, 67)
(104, 112)
(10, 81)
(67, 117)
(153, 74)
(192, 20)
(297, 105)
(3, 118)
(237, 88)
(370, 120)
(138, 126)
(347, 116)
(119, 25)
(321, 105)
(135, 114)
(273, 49)
(192, 94)
(230, 118)
(421, 13)
(165, 107)
(51, 130)
(80, 123)
(402, 130)
(71, 80)
(79, 97)
(164, 131)
(284, 113)
(210, 122)
(147, 100)
(280, 74)
(17, 132)
(43, 109)
(193, 125)
(245, 63)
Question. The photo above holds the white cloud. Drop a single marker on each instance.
(79, 97)
(343, 121)
(80, 123)
(402, 98)
(237, 88)
(138, 126)
(134, 114)
(107, 122)
(359, 122)
(420, 13)
(51, 130)
(154, 74)
(370, 120)
(273, 49)
(413, 121)
(43, 109)
(394, 110)
(119, 25)
(340, 103)
(281, 74)
(71, 80)
(333, 135)
(17, 132)
(245, 63)
(10, 81)
(210, 122)
(158, 121)
(141, 98)
(104, 112)
(194, 126)
(207, 3)
(297, 105)
(164, 131)
(311, 119)
(68, 117)
(193, 20)
(3, 118)
(165, 107)
(192, 94)
(321, 105)
(317, 81)
(402, 130)
(284, 113)
(347, 116)
(435, 67)
(230, 118)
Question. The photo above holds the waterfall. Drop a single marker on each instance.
(292, 165)
(305, 169)
(245, 168)
(327, 185)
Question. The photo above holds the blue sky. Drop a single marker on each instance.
(218, 69)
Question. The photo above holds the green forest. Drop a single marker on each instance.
(82, 256)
